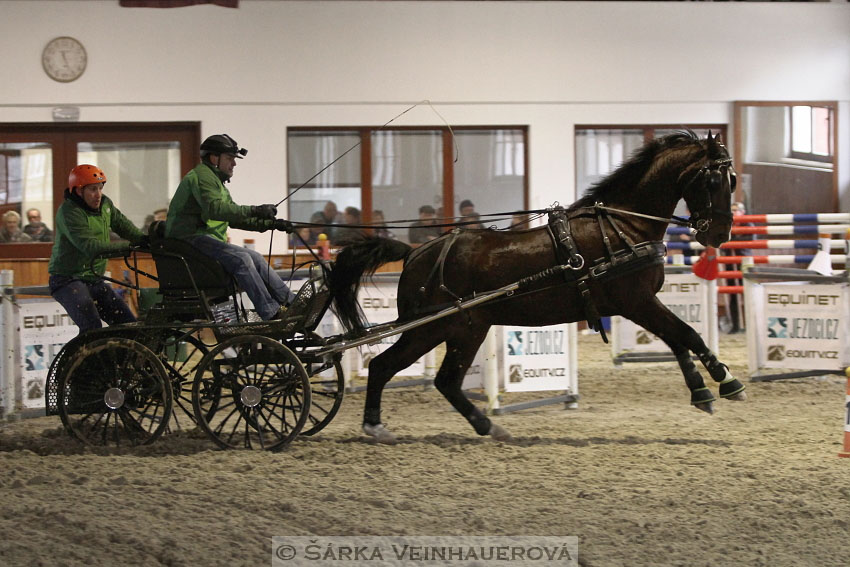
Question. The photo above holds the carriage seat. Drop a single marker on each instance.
(186, 274)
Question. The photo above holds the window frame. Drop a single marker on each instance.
(63, 139)
(810, 156)
(365, 133)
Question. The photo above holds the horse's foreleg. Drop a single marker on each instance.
(683, 339)
(701, 396)
(449, 381)
(730, 388)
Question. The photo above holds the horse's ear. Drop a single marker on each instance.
(713, 141)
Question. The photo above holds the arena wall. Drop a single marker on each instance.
(258, 69)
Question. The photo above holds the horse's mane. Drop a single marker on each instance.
(630, 172)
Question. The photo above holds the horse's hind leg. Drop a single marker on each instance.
(410, 346)
(460, 352)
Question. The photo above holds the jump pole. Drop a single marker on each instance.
(846, 452)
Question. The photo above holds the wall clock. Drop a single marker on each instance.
(64, 59)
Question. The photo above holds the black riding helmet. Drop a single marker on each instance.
(222, 144)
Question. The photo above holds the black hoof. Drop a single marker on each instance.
(731, 388)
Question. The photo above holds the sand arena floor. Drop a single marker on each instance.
(639, 476)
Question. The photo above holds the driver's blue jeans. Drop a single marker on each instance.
(89, 302)
(263, 286)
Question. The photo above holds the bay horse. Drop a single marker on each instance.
(601, 256)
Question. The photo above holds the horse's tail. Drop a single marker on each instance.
(355, 261)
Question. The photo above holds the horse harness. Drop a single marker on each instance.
(618, 263)
(571, 264)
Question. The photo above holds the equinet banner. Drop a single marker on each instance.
(803, 326)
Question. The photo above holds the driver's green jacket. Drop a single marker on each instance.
(83, 233)
(202, 205)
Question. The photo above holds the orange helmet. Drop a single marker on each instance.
(85, 174)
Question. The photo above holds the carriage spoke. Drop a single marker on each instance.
(115, 393)
(254, 384)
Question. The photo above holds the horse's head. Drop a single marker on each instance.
(708, 193)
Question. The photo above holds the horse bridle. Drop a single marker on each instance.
(712, 174)
(700, 220)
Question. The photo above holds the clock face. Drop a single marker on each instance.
(64, 59)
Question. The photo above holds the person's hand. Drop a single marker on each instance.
(284, 225)
(268, 212)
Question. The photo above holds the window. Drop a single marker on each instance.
(392, 173)
(811, 133)
(601, 149)
(143, 163)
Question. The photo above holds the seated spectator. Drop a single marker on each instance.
(466, 208)
(344, 235)
(329, 215)
(423, 230)
(474, 219)
(302, 236)
(380, 225)
(36, 229)
(11, 229)
(158, 215)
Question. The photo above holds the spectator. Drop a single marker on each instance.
(306, 236)
(345, 236)
(380, 225)
(424, 230)
(474, 219)
(328, 216)
(83, 223)
(685, 238)
(158, 215)
(11, 229)
(37, 230)
(466, 208)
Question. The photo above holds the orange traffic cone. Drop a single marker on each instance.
(846, 451)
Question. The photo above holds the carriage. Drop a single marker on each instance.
(200, 359)
(259, 384)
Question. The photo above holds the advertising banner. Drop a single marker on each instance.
(45, 327)
(378, 300)
(802, 326)
(691, 298)
(535, 358)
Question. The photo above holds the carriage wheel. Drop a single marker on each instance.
(115, 392)
(327, 387)
(251, 392)
(181, 354)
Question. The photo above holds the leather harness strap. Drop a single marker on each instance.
(618, 263)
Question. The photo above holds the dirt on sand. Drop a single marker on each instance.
(636, 473)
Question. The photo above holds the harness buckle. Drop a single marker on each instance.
(576, 262)
(702, 225)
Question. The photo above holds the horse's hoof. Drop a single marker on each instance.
(732, 389)
(380, 434)
(707, 407)
(499, 433)
(739, 397)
